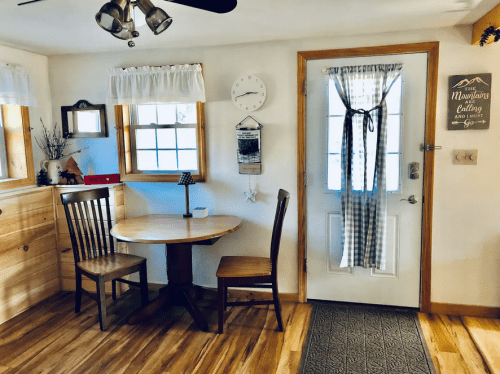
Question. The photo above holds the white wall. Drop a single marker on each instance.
(466, 231)
(39, 74)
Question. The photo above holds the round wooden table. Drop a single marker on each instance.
(178, 234)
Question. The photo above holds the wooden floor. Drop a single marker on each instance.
(52, 339)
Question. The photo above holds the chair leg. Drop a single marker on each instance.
(277, 306)
(143, 276)
(113, 289)
(221, 308)
(78, 293)
(101, 304)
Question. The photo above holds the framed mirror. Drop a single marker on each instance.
(84, 120)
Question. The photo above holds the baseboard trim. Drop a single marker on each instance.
(465, 310)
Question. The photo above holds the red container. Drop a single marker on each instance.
(102, 179)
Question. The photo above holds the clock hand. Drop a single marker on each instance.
(247, 93)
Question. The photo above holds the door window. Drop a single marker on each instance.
(335, 125)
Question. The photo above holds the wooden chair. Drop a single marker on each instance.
(253, 272)
(90, 242)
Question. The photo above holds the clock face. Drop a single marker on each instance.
(248, 93)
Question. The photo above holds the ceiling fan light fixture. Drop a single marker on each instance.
(128, 30)
(158, 20)
(111, 16)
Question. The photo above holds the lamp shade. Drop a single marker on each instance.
(128, 30)
(158, 20)
(111, 16)
(186, 178)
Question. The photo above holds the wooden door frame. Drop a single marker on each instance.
(432, 49)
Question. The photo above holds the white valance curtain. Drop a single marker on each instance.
(15, 85)
(363, 90)
(147, 84)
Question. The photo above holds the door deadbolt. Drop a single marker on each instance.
(411, 199)
(413, 170)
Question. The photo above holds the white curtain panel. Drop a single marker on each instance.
(164, 84)
(15, 85)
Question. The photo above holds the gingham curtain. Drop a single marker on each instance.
(364, 204)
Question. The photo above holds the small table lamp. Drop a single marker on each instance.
(186, 180)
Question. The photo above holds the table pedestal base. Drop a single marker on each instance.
(180, 283)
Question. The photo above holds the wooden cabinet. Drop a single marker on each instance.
(64, 249)
(29, 270)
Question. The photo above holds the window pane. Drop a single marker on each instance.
(145, 138)
(146, 160)
(186, 138)
(393, 98)
(334, 172)
(166, 114)
(393, 172)
(393, 133)
(188, 160)
(167, 160)
(335, 128)
(186, 113)
(146, 114)
(336, 107)
(166, 138)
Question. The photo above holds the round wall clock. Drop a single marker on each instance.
(248, 93)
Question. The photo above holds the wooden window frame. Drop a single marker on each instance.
(123, 140)
(17, 141)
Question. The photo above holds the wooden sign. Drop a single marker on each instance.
(469, 102)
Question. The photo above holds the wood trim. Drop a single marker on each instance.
(202, 149)
(16, 146)
(293, 297)
(120, 141)
(432, 48)
(492, 18)
(464, 310)
(301, 171)
(122, 120)
(430, 135)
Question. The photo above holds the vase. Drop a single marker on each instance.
(53, 169)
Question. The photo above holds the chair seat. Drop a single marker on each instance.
(109, 264)
(244, 266)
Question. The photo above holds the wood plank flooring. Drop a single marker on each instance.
(51, 339)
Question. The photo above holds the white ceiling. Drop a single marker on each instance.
(55, 27)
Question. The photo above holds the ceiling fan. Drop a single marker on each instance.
(115, 16)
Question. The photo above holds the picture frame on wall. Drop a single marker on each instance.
(469, 102)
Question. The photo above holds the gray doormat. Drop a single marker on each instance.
(359, 339)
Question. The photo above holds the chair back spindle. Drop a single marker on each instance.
(283, 199)
(87, 224)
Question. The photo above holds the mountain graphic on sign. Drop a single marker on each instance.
(465, 82)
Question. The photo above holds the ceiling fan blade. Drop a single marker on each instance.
(28, 2)
(219, 6)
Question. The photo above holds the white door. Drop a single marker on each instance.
(399, 283)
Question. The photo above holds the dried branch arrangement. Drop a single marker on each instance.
(53, 143)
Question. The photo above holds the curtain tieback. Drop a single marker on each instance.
(367, 117)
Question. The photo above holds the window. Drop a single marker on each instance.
(157, 142)
(335, 124)
(16, 154)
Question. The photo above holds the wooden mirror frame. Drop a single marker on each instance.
(80, 106)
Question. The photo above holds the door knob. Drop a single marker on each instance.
(411, 199)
